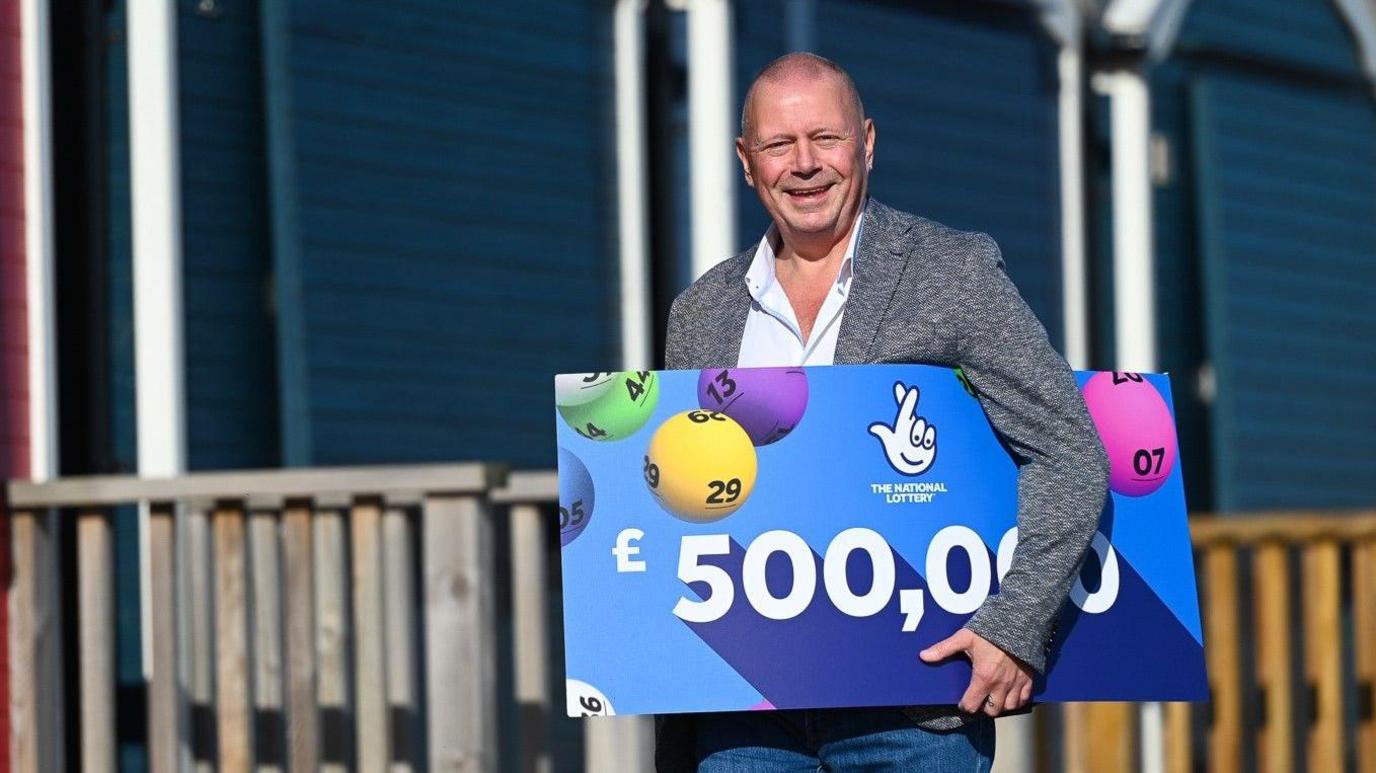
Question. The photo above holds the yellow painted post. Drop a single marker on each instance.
(1221, 655)
(1323, 649)
(1271, 605)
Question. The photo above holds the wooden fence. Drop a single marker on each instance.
(324, 619)
(1289, 606)
(343, 618)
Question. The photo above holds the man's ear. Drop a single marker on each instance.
(869, 143)
(745, 161)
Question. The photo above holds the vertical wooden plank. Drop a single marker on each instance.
(198, 607)
(163, 706)
(1112, 733)
(1075, 738)
(332, 627)
(1271, 610)
(266, 573)
(531, 637)
(1221, 655)
(460, 633)
(399, 595)
(1323, 647)
(231, 640)
(370, 675)
(619, 744)
(1179, 757)
(34, 648)
(1016, 750)
(96, 624)
(1364, 623)
(303, 741)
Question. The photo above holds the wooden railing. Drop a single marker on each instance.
(322, 619)
(343, 618)
(1289, 611)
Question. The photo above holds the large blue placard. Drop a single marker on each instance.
(756, 538)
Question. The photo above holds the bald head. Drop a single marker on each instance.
(801, 65)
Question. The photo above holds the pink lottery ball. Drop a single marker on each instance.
(1137, 430)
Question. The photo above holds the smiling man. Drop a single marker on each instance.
(840, 278)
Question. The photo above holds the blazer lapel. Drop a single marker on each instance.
(876, 271)
(727, 319)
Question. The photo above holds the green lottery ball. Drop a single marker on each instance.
(619, 411)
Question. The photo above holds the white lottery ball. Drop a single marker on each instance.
(581, 388)
(584, 700)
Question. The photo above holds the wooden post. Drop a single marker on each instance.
(1111, 730)
(459, 633)
(1179, 757)
(265, 563)
(231, 640)
(1074, 738)
(303, 740)
(401, 640)
(1323, 649)
(1271, 608)
(96, 623)
(332, 626)
(618, 744)
(164, 710)
(1221, 655)
(1364, 621)
(531, 637)
(35, 647)
(200, 657)
(370, 675)
(1099, 736)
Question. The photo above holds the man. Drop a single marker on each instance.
(840, 278)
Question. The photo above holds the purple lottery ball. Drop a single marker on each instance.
(767, 402)
(575, 497)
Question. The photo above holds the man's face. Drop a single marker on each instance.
(808, 155)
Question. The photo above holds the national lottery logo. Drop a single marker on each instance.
(910, 442)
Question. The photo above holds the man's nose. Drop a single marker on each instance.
(805, 159)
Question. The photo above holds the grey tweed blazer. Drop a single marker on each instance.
(925, 293)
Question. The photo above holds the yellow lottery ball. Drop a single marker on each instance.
(701, 466)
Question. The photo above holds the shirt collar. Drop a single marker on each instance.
(760, 276)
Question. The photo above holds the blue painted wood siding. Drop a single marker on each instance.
(1288, 237)
(1301, 33)
(965, 104)
(454, 236)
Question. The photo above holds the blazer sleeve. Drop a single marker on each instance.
(1030, 396)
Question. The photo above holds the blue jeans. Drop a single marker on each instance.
(841, 740)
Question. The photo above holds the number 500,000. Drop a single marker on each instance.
(722, 591)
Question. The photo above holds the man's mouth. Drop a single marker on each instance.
(805, 195)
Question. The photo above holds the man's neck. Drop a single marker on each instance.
(808, 259)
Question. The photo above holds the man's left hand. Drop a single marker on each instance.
(999, 682)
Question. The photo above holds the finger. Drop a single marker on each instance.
(955, 643)
(1013, 700)
(919, 431)
(929, 437)
(908, 407)
(993, 705)
(881, 431)
(1026, 693)
(899, 392)
(972, 702)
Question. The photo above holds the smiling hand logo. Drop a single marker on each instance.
(910, 443)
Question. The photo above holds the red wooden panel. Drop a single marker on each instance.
(14, 409)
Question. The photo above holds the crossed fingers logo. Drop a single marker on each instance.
(910, 443)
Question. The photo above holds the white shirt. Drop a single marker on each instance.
(772, 335)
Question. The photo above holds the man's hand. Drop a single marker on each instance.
(998, 681)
